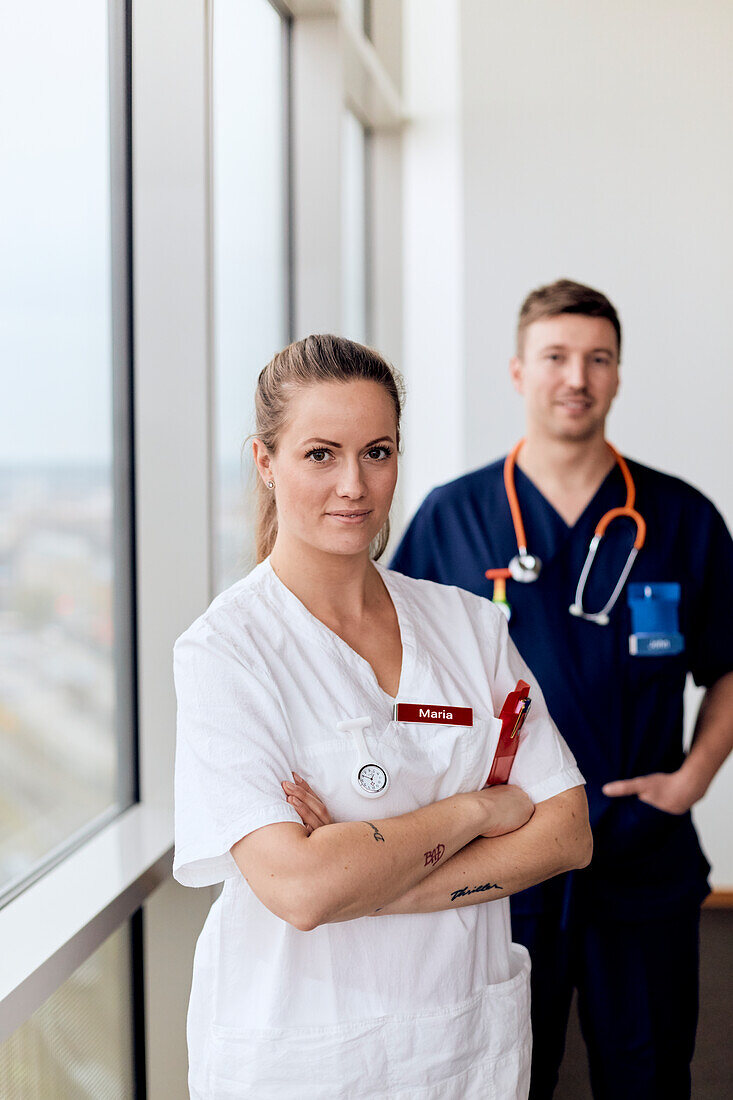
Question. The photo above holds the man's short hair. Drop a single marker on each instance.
(565, 296)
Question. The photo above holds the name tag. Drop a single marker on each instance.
(427, 712)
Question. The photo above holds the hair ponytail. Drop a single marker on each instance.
(266, 528)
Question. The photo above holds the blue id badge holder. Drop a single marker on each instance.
(655, 620)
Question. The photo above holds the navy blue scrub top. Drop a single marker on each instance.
(622, 715)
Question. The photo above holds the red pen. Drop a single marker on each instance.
(513, 713)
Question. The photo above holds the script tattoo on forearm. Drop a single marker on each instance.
(434, 854)
(475, 890)
(377, 834)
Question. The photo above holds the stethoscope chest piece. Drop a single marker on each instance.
(525, 567)
(368, 778)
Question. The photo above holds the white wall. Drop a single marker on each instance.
(596, 144)
(432, 213)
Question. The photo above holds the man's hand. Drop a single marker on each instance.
(672, 792)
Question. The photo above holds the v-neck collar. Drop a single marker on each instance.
(336, 644)
(548, 535)
(568, 527)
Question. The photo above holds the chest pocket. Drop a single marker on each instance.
(424, 763)
(657, 661)
(655, 619)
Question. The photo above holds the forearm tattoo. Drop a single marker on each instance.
(377, 834)
(475, 890)
(434, 854)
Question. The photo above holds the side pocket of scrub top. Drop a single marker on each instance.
(476, 1049)
(480, 1047)
(318, 1062)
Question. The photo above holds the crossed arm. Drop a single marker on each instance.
(557, 838)
(460, 851)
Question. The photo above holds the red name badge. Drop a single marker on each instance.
(512, 716)
(427, 712)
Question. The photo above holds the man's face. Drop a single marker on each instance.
(568, 375)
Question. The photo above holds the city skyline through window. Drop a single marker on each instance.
(58, 693)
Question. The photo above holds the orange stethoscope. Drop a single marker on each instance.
(525, 567)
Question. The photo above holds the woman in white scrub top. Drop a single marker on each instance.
(363, 950)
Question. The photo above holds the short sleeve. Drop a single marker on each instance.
(232, 753)
(710, 638)
(544, 765)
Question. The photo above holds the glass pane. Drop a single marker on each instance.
(250, 248)
(354, 229)
(57, 692)
(78, 1045)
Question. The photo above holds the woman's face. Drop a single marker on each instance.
(335, 467)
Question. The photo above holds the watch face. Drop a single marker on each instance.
(372, 778)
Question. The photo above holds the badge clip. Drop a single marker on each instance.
(368, 778)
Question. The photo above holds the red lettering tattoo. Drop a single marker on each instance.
(434, 855)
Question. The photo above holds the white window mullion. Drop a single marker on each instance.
(173, 417)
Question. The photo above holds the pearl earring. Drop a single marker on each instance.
(271, 485)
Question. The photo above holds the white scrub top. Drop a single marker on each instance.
(425, 1005)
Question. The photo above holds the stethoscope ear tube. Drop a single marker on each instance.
(525, 567)
(601, 618)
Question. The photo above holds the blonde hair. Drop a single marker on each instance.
(321, 358)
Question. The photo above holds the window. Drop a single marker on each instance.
(251, 265)
(65, 695)
(79, 1043)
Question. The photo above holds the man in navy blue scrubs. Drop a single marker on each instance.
(623, 932)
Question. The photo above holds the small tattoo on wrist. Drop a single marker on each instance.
(377, 834)
(475, 890)
(434, 854)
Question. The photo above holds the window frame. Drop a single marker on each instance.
(122, 468)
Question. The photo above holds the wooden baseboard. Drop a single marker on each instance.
(719, 899)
